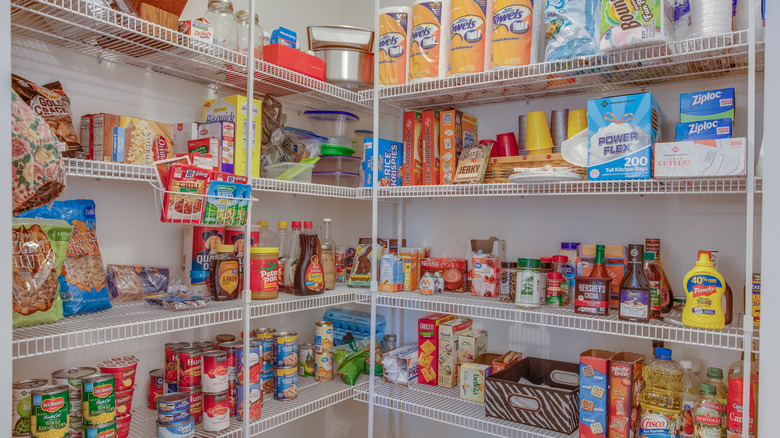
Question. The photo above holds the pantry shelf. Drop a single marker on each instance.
(445, 406)
(312, 397)
(302, 188)
(287, 303)
(693, 59)
(670, 330)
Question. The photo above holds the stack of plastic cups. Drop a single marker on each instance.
(711, 17)
(538, 140)
(578, 121)
(559, 119)
(507, 145)
(522, 123)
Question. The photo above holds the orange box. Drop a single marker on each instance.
(410, 257)
(458, 130)
(625, 383)
(506, 360)
(411, 174)
(428, 347)
(430, 148)
(130, 140)
(616, 261)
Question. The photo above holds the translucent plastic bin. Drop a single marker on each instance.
(290, 171)
(341, 179)
(338, 163)
(332, 123)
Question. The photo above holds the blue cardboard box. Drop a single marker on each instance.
(621, 134)
(707, 105)
(703, 130)
(390, 162)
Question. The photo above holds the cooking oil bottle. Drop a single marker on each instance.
(661, 401)
(704, 289)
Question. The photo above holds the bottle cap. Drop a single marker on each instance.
(705, 259)
(560, 259)
(225, 248)
(569, 245)
(714, 373)
(601, 248)
(547, 260)
(264, 250)
(650, 256)
(326, 220)
(707, 389)
(534, 263)
(696, 366)
(282, 225)
(262, 223)
(296, 225)
(308, 225)
(686, 364)
(663, 353)
(522, 263)
(555, 276)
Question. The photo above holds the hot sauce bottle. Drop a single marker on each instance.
(655, 277)
(634, 288)
(309, 276)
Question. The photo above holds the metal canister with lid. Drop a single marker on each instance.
(225, 337)
(390, 342)
(98, 399)
(71, 377)
(204, 345)
(22, 405)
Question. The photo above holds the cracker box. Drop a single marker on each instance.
(707, 105)
(625, 384)
(703, 130)
(702, 158)
(454, 272)
(412, 155)
(400, 366)
(431, 164)
(225, 133)
(621, 134)
(182, 134)
(472, 344)
(449, 338)
(506, 360)
(594, 370)
(428, 344)
(234, 109)
(472, 377)
(616, 261)
(458, 130)
(130, 140)
(390, 162)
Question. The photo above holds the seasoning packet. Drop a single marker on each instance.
(227, 203)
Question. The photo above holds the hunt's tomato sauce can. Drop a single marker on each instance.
(171, 372)
(253, 364)
(196, 402)
(232, 397)
(216, 411)
(189, 367)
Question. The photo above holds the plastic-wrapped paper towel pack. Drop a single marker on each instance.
(626, 24)
(395, 24)
(516, 33)
(429, 48)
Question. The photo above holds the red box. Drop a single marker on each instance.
(454, 271)
(625, 383)
(229, 177)
(208, 146)
(412, 162)
(431, 161)
(594, 369)
(428, 347)
(294, 60)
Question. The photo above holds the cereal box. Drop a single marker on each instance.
(390, 162)
(130, 140)
(412, 157)
(458, 130)
(454, 272)
(485, 276)
(616, 261)
(594, 369)
(506, 360)
(428, 344)
(430, 148)
(225, 133)
(449, 337)
(472, 344)
(625, 384)
(400, 365)
(707, 105)
(234, 109)
(472, 377)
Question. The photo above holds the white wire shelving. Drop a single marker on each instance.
(445, 406)
(287, 303)
(312, 397)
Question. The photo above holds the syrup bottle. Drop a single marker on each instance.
(309, 276)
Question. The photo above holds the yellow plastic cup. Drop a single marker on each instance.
(538, 140)
(578, 120)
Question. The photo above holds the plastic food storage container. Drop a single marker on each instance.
(332, 149)
(308, 140)
(332, 123)
(338, 163)
(290, 171)
(342, 179)
(340, 141)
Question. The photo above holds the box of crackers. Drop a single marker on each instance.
(473, 375)
(625, 384)
(428, 347)
(594, 370)
(449, 336)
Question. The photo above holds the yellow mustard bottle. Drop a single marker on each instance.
(704, 287)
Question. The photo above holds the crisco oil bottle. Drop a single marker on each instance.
(660, 400)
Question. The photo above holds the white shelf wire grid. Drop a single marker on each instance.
(303, 188)
(445, 406)
(96, 30)
(670, 330)
(287, 303)
(693, 59)
(312, 397)
(102, 169)
(193, 208)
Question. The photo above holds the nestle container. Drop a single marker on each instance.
(290, 172)
(332, 123)
(338, 163)
(341, 179)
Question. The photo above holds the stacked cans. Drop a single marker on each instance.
(286, 365)
(171, 370)
(215, 384)
(174, 419)
(323, 351)
(156, 386)
(229, 348)
(22, 402)
(98, 399)
(71, 377)
(266, 335)
(190, 361)
(123, 369)
(249, 374)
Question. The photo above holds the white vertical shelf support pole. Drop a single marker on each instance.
(6, 334)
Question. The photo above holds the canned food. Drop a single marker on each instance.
(232, 397)
(216, 411)
(123, 425)
(154, 393)
(253, 361)
(76, 421)
(286, 349)
(172, 360)
(123, 369)
(230, 349)
(189, 366)
(22, 405)
(98, 399)
(175, 402)
(156, 377)
(268, 381)
(173, 417)
(50, 411)
(185, 429)
(196, 402)
(323, 336)
(323, 367)
(225, 338)
(306, 360)
(71, 377)
(107, 430)
(255, 402)
(171, 387)
(214, 376)
(286, 383)
(204, 345)
(268, 350)
(124, 402)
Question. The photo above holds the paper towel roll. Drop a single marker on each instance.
(429, 42)
(470, 27)
(395, 24)
(516, 36)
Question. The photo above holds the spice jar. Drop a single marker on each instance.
(225, 275)
(264, 273)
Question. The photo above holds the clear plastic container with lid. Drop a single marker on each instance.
(242, 19)
(220, 15)
(333, 123)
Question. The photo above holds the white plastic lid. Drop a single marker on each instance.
(326, 220)
(687, 364)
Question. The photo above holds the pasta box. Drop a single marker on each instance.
(473, 375)
(550, 401)
(428, 345)
(594, 372)
(625, 384)
(129, 140)
(449, 337)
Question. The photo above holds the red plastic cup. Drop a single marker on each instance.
(493, 148)
(507, 144)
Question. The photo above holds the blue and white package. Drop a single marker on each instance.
(571, 28)
(284, 36)
(707, 105)
(390, 162)
(621, 134)
(703, 130)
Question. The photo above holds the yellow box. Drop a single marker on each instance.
(226, 110)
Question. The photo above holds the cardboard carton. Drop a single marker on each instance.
(449, 339)
(594, 391)
(428, 345)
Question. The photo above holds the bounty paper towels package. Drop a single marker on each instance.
(703, 130)
(469, 36)
(704, 158)
(707, 105)
(394, 26)
(626, 24)
(516, 35)
(428, 45)
(621, 132)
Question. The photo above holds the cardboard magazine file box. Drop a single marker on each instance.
(554, 406)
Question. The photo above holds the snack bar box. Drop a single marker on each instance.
(428, 344)
(449, 335)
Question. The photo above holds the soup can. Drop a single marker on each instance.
(323, 367)
(153, 395)
(156, 378)
(76, 421)
(196, 402)
(173, 417)
(269, 381)
(204, 345)
(255, 402)
(286, 383)
(306, 360)
(98, 399)
(232, 397)
(286, 349)
(22, 404)
(230, 349)
(323, 336)
(253, 360)
(185, 429)
(172, 360)
(214, 377)
(216, 411)
(171, 387)
(71, 377)
(176, 402)
(269, 337)
(50, 411)
(107, 430)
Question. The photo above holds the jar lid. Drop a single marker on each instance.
(555, 276)
(225, 248)
(264, 250)
(560, 259)
(244, 15)
(308, 224)
(262, 223)
(296, 224)
(534, 263)
(569, 245)
(282, 225)
(522, 263)
(221, 3)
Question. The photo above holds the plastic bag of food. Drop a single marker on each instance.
(38, 250)
(132, 283)
(354, 359)
(83, 279)
(571, 28)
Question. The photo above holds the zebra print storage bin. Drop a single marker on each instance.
(555, 407)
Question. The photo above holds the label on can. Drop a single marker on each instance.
(173, 402)
(215, 372)
(99, 400)
(189, 367)
(107, 430)
(22, 405)
(124, 402)
(50, 412)
(255, 402)
(269, 382)
(230, 349)
(171, 371)
(173, 417)
(171, 387)
(71, 377)
(232, 397)
(76, 422)
(156, 378)
(306, 360)
(153, 394)
(216, 411)
(196, 403)
(323, 367)
(179, 430)
(286, 350)
(253, 362)
(323, 336)
(286, 383)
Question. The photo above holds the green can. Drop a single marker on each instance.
(107, 430)
(98, 399)
(22, 405)
(76, 419)
(50, 412)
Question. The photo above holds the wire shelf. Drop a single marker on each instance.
(193, 208)
(287, 303)
(671, 329)
(445, 406)
(303, 188)
(693, 59)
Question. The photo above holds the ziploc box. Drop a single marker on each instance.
(457, 130)
(390, 162)
(449, 340)
(615, 260)
(707, 105)
(703, 130)
(428, 344)
(621, 134)
(702, 158)
(431, 164)
(412, 155)
(234, 109)
(625, 384)
(594, 386)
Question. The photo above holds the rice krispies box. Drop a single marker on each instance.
(428, 347)
(390, 162)
(594, 368)
(625, 384)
